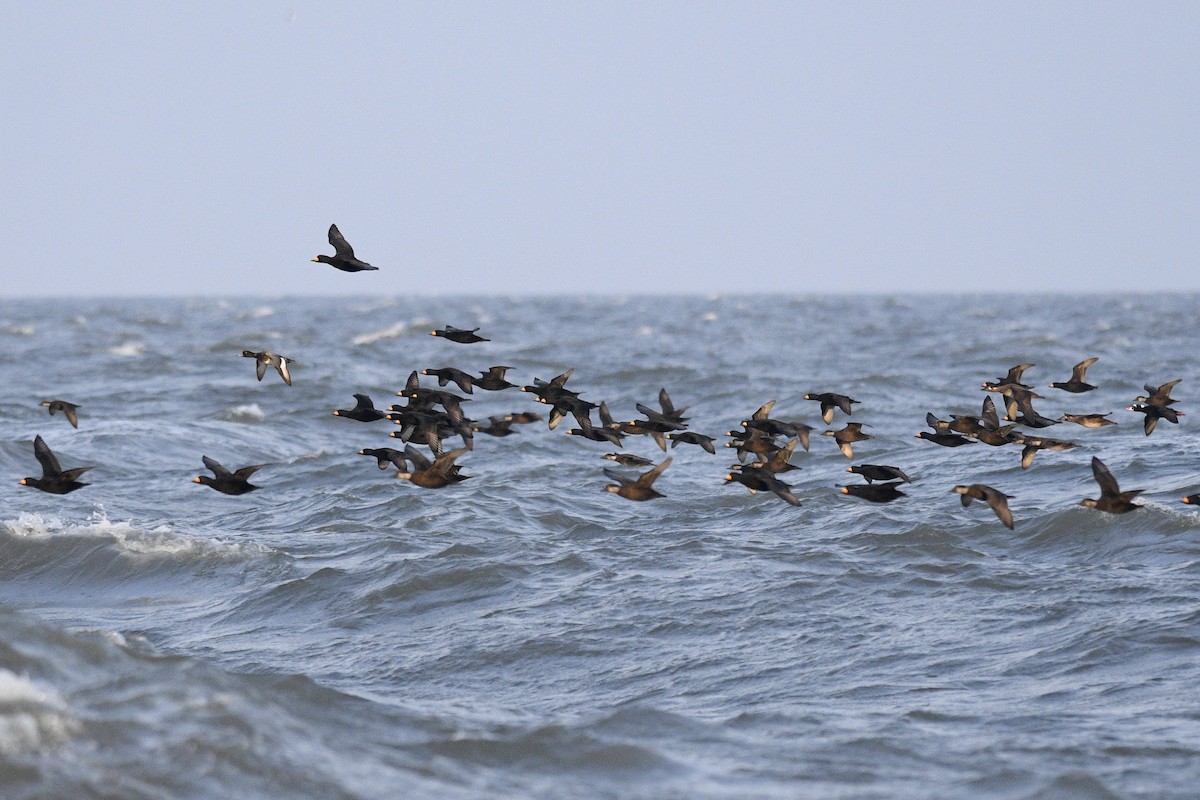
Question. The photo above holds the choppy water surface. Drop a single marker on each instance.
(341, 634)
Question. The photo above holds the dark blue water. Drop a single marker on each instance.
(343, 634)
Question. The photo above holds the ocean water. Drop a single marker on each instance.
(343, 634)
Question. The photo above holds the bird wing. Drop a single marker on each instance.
(245, 472)
(763, 410)
(50, 467)
(72, 474)
(445, 462)
(215, 466)
(364, 403)
(613, 475)
(340, 246)
(989, 413)
(843, 402)
(1108, 484)
(664, 400)
(260, 365)
(647, 479)
(999, 504)
(281, 364)
(420, 462)
(1080, 370)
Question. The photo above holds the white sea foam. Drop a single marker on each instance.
(160, 541)
(128, 350)
(31, 717)
(19, 330)
(390, 332)
(257, 313)
(250, 412)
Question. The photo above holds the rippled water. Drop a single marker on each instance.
(341, 634)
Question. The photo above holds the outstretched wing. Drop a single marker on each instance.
(281, 364)
(245, 472)
(340, 246)
(215, 466)
(420, 462)
(1108, 484)
(1080, 369)
(50, 467)
(647, 479)
(613, 475)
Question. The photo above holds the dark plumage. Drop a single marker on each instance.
(67, 410)
(829, 401)
(847, 436)
(945, 439)
(265, 358)
(459, 335)
(385, 457)
(1158, 395)
(760, 479)
(1192, 499)
(364, 410)
(493, 380)
(1153, 413)
(464, 381)
(441, 472)
(343, 254)
(497, 426)
(1088, 420)
(1112, 499)
(879, 472)
(994, 498)
(691, 437)
(628, 459)
(55, 479)
(227, 482)
(551, 390)
(875, 492)
(640, 488)
(1032, 444)
(1077, 385)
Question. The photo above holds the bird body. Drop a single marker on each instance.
(459, 335)
(997, 500)
(364, 410)
(875, 492)
(227, 482)
(65, 408)
(1111, 499)
(54, 479)
(343, 254)
(265, 358)
(1077, 384)
(640, 488)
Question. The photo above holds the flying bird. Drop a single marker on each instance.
(343, 254)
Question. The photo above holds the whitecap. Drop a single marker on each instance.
(158, 541)
(31, 717)
(250, 412)
(390, 332)
(19, 330)
(128, 350)
(257, 313)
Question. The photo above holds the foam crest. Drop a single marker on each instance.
(31, 718)
(250, 412)
(160, 541)
(390, 332)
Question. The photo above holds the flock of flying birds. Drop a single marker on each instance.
(764, 445)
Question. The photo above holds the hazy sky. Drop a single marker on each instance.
(170, 148)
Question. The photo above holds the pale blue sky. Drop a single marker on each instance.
(171, 148)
